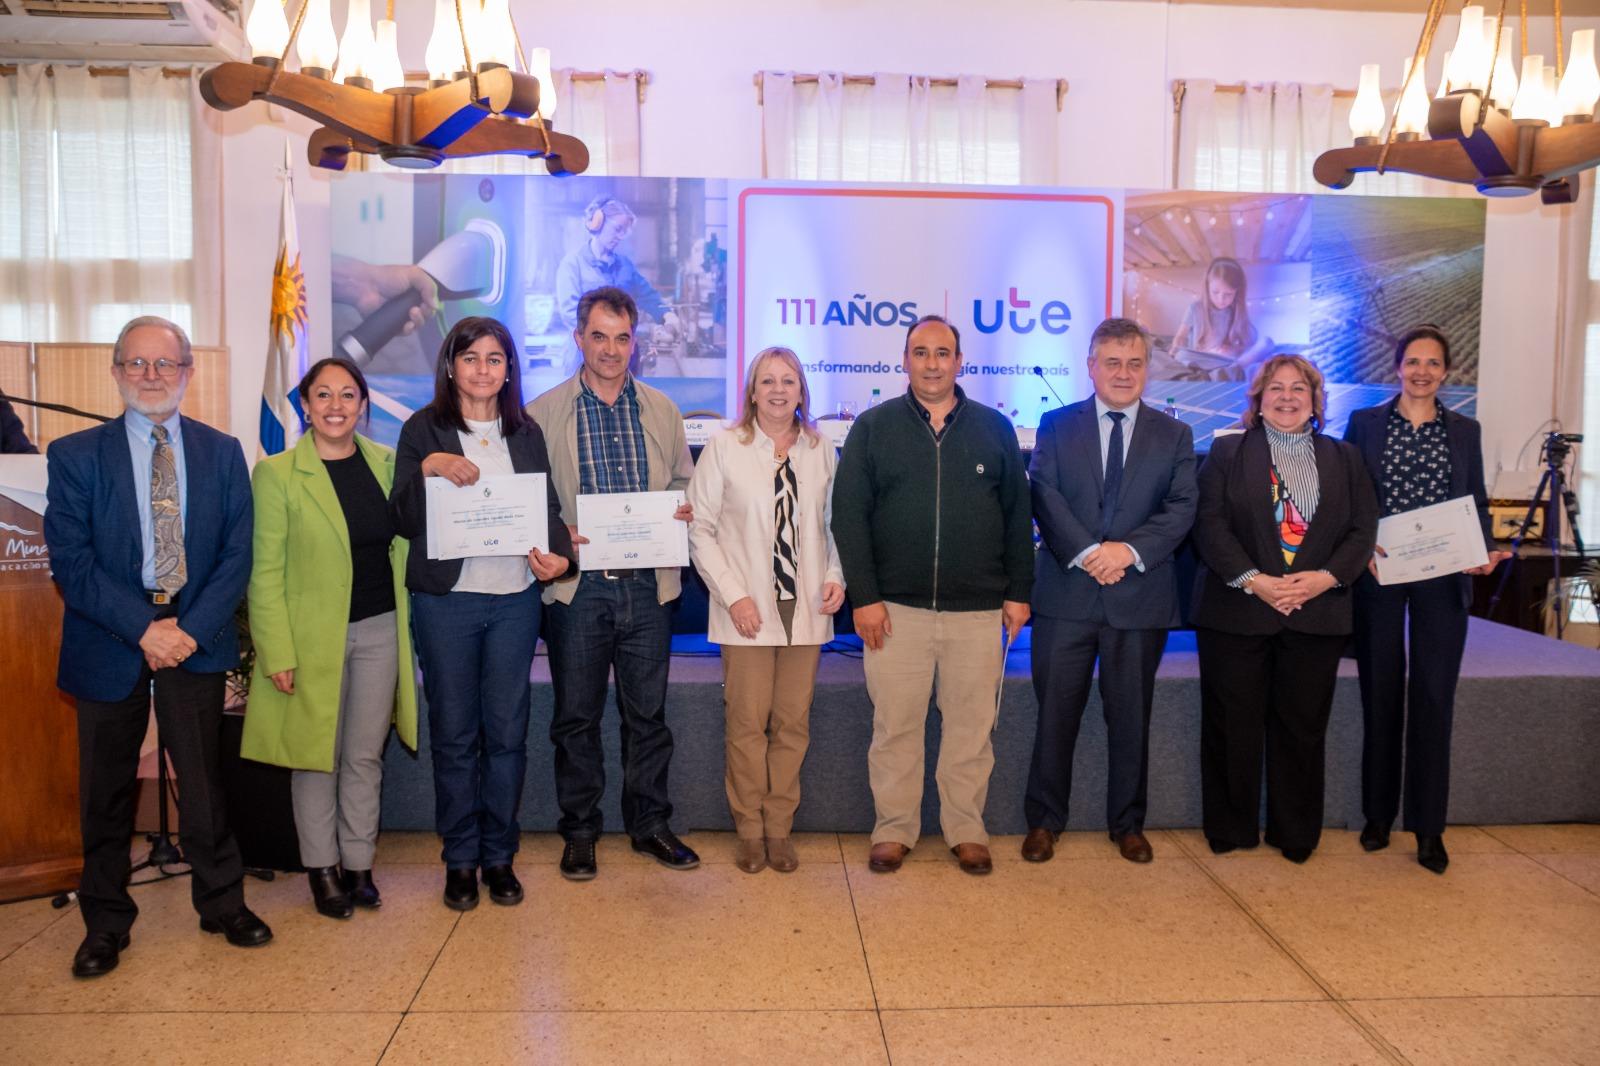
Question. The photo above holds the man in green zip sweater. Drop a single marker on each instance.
(932, 518)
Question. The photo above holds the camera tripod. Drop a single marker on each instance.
(1555, 496)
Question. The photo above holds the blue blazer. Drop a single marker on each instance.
(91, 525)
(1367, 429)
(1155, 509)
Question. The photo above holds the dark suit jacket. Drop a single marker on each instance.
(13, 437)
(1367, 429)
(421, 436)
(1155, 509)
(91, 524)
(1235, 532)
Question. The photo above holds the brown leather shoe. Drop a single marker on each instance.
(974, 858)
(886, 857)
(1135, 848)
(1039, 845)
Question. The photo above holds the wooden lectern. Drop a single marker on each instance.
(40, 849)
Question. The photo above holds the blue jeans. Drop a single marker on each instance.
(476, 651)
(611, 625)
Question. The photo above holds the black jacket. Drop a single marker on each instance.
(1369, 426)
(13, 436)
(421, 436)
(1155, 509)
(1234, 531)
(940, 524)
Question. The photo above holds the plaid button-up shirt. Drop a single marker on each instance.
(611, 455)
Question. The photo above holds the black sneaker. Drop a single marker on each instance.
(578, 861)
(461, 889)
(504, 888)
(664, 847)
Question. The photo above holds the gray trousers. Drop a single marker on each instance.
(336, 814)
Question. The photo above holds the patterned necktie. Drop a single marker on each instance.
(1113, 478)
(172, 569)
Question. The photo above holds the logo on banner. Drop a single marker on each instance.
(1053, 317)
(856, 311)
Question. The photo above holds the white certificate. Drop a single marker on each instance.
(501, 514)
(1442, 538)
(631, 531)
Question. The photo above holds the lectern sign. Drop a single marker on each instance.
(24, 559)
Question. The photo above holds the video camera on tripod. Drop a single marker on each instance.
(1553, 495)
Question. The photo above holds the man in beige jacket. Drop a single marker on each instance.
(608, 432)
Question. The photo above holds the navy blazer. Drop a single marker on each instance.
(1235, 532)
(1369, 426)
(91, 524)
(1155, 508)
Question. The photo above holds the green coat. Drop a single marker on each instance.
(299, 609)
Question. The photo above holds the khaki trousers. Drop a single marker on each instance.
(767, 698)
(957, 653)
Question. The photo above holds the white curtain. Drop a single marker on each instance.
(109, 204)
(904, 128)
(603, 114)
(1266, 138)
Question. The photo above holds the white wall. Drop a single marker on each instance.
(700, 119)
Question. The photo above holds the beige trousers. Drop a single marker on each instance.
(767, 698)
(957, 652)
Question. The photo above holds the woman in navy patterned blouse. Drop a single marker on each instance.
(1419, 452)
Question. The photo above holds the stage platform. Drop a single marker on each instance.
(1527, 733)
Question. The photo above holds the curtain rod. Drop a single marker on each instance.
(641, 77)
(9, 69)
(870, 79)
(1180, 86)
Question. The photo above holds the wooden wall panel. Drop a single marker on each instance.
(80, 375)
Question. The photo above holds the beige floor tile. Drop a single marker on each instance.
(194, 1039)
(1342, 843)
(1062, 933)
(399, 846)
(1008, 848)
(374, 961)
(1380, 926)
(644, 938)
(1138, 1035)
(1580, 867)
(1505, 1032)
(841, 1038)
(1548, 838)
(21, 922)
(545, 848)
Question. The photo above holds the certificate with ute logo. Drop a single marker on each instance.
(1442, 538)
(503, 514)
(632, 530)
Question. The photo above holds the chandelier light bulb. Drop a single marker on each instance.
(1552, 98)
(443, 56)
(1444, 77)
(1466, 69)
(1505, 75)
(384, 68)
(539, 67)
(1529, 104)
(266, 30)
(317, 46)
(1580, 85)
(499, 43)
(355, 47)
(1412, 120)
(1366, 114)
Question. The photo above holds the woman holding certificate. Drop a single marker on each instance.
(332, 634)
(761, 540)
(1285, 526)
(1419, 453)
(477, 618)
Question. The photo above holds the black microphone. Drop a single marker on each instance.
(1040, 371)
(61, 407)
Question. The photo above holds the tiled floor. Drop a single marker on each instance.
(1244, 958)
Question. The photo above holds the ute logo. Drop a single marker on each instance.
(1053, 317)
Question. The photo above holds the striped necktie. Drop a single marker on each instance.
(172, 569)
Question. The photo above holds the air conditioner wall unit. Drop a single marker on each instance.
(155, 31)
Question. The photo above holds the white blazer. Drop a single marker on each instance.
(730, 539)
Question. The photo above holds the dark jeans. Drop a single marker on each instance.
(611, 625)
(476, 651)
(1416, 715)
(189, 720)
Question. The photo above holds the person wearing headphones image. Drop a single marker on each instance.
(596, 263)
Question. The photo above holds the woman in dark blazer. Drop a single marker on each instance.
(1419, 452)
(1285, 526)
(477, 619)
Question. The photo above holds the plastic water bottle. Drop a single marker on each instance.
(1044, 409)
(1170, 409)
(875, 399)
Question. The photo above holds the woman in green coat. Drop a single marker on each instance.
(331, 625)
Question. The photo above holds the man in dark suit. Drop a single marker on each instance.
(148, 524)
(1114, 496)
(13, 435)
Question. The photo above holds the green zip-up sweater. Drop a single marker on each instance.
(938, 523)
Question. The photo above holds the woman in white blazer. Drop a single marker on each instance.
(761, 541)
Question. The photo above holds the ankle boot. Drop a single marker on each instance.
(327, 893)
